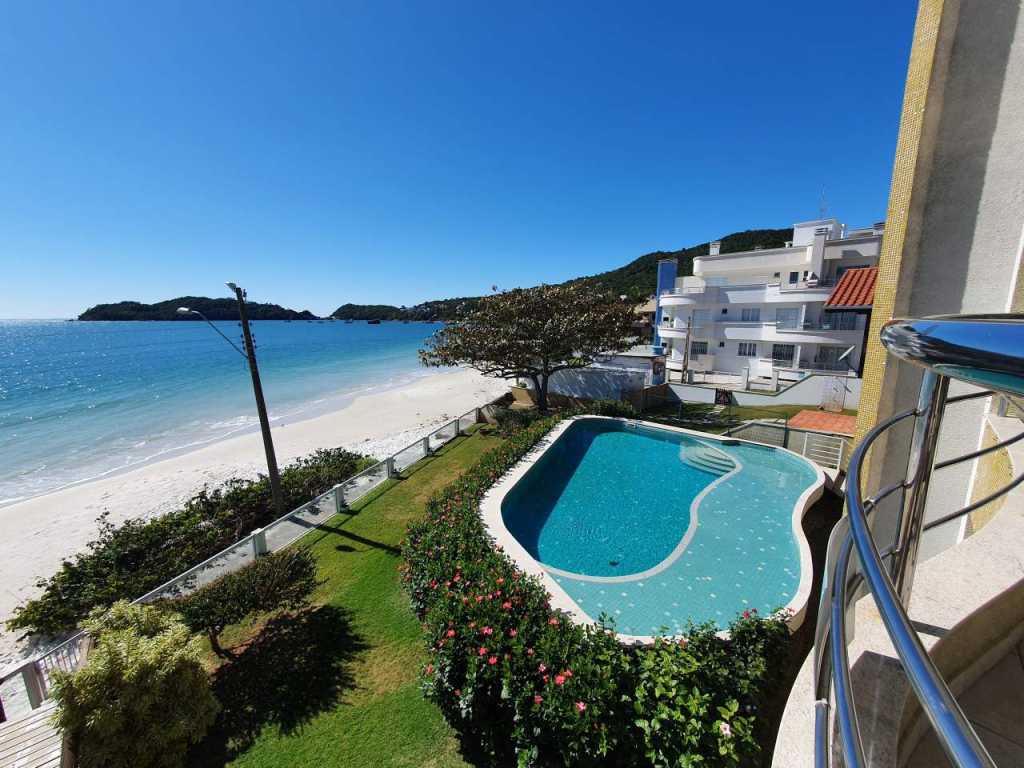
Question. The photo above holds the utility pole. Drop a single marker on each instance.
(261, 406)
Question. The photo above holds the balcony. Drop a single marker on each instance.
(943, 688)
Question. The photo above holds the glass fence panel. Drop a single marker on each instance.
(467, 420)
(442, 435)
(406, 457)
(360, 485)
(237, 556)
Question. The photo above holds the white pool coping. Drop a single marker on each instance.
(490, 511)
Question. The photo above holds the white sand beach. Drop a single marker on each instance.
(39, 533)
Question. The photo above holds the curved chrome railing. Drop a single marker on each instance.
(981, 350)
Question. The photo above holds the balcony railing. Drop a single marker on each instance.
(978, 350)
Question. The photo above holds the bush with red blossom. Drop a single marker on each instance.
(524, 684)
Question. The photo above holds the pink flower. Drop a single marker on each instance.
(450, 633)
(482, 651)
(542, 667)
(725, 729)
(506, 605)
(430, 669)
(512, 633)
(487, 631)
(581, 706)
(479, 598)
(529, 651)
(538, 699)
(568, 673)
(553, 621)
(458, 692)
(559, 679)
(493, 660)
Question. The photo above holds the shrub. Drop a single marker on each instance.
(283, 580)
(128, 560)
(509, 420)
(142, 697)
(523, 683)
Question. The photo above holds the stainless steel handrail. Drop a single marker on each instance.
(980, 350)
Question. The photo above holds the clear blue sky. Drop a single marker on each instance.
(396, 152)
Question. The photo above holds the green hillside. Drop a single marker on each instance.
(636, 279)
(214, 309)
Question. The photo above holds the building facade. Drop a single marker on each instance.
(765, 313)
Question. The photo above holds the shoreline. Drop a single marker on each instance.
(42, 531)
(328, 404)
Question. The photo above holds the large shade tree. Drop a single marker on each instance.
(531, 333)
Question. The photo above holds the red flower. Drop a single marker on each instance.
(493, 660)
(482, 651)
(450, 633)
(538, 699)
(553, 621)
(487, 631)
(581, 706)
(430, 669)
(512, 633)
(506, 605)
(559, 679)
(746, 614)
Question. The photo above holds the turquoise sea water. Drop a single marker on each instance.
(609, 493)
(80, 400)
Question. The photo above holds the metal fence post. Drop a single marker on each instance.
(910, 523)
(35, 684)
(259, 542)
(426, 445)
(389, 464)
(339, 498)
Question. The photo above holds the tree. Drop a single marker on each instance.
(282, 580)
(533, 332)
(142, 697)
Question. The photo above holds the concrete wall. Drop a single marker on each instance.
(595, 383)
(809, 391)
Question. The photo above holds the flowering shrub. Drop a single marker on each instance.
(522, 681)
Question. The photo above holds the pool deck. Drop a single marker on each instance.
(554, 581)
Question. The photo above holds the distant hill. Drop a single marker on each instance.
(636, 279)
(214, 309)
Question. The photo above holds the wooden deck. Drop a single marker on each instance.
(30, 741)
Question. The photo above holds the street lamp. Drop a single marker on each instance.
(257, 389)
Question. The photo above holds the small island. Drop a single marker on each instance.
(214, 309)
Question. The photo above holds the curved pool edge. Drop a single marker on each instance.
(490, 512)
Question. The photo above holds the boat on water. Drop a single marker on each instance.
(373, 322)
(350, 320)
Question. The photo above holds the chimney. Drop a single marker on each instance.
(716, 248)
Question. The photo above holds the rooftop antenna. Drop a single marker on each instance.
(823, 207)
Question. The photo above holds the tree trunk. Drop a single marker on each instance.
(216, 647)
(542, 393)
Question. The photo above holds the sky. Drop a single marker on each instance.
(383, 152)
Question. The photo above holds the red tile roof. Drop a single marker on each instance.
(856, 288)
(822, 421)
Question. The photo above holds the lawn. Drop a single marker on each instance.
(337, 685)
(703, 416)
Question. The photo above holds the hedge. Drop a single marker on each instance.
(522, 683)
(130, 559)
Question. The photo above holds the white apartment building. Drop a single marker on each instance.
(765, 314)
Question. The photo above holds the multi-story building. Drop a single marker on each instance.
(766, 313)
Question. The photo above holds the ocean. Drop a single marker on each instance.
(81, 400)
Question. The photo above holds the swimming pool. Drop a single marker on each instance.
(656, 526)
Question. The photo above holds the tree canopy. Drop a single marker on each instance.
(533, 332)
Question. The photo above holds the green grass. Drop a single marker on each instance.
(337, 685)
(701, 416)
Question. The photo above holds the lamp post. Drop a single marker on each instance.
(257, 388)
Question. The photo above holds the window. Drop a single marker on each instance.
(748, 349)
(783, 353)
(698, 347)
(828, 358)
(787, 318)
(794, 276)
(725, 310)
(721, 344)
(701, 317)
(751, 315)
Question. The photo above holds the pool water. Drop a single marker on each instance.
(630, 529)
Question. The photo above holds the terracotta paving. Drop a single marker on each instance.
(823, 421)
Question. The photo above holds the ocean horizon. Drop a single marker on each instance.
(85, 400)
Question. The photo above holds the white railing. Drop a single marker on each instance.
(33, 687)
(822, 448)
